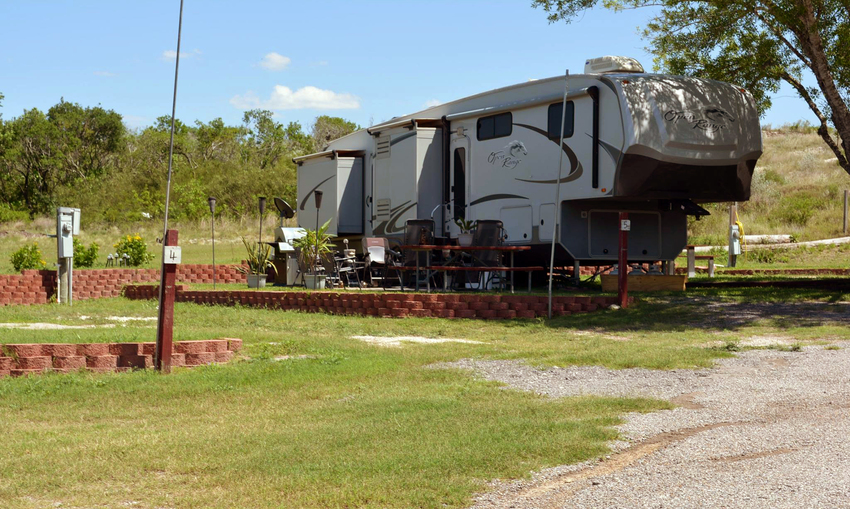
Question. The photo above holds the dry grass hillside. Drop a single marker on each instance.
(798, 189)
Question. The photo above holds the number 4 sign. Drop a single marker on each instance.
(171, 255)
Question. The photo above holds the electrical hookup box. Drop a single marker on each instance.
(67, 225)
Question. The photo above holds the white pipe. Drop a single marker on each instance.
(558, 188)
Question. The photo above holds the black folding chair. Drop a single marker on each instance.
(418, 232)
(489, 233)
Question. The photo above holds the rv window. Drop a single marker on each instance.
(555, 120)
(495, 126)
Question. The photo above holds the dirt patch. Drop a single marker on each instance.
(51, 326)
(396, 341)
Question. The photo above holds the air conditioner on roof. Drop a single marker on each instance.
(612, 64)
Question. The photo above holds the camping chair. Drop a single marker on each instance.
(418, 232)
(343, 268)
(489, 233)
(331, 270)
(380, 258)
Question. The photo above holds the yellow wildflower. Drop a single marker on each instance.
(138, 238)
(43, 262)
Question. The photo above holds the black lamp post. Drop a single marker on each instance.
(262, 211)
(211, 201)
(318, 196)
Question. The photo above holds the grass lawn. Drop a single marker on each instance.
(340, 423)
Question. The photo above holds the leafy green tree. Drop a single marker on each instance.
(31, 160)
(327, 129)
(89, 138)
(266, 141)
(757, 44)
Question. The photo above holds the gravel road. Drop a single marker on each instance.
(764, 429)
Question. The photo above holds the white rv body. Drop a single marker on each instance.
(650, 145)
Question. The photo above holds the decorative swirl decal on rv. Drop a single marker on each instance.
(576, 169)
(389, 226)
(310, 192)
(496, 197)
(508, 157)
(711, 119)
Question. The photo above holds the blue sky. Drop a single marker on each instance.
(367, 61)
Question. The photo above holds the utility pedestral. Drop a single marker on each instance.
(734, 235)
(165, 325)
(67, 225)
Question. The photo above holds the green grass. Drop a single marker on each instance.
(348, 424)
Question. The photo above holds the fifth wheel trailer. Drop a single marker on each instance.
(655, 146)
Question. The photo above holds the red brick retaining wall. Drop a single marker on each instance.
(34, 358)
(38, 286)
(390, 304)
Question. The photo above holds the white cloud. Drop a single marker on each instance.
(320, 63)
(430, 103)
(309, 97)
(105, 74)
(275, 61)
(136, 121)
(170, 54)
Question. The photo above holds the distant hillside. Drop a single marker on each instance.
(798, 188)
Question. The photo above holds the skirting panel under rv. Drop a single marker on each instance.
(590, 231)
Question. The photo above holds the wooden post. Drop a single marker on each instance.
(623, 272)
(692, 261)
(165, 325)
(846, 202)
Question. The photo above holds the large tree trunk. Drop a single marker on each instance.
(812, 45)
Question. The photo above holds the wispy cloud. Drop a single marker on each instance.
(430, 103)
(170, 54)
(275, 61)
(320, 63)
(136, 121)
(105, 74)
(309, 97)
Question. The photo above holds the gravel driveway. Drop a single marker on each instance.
(764, 429)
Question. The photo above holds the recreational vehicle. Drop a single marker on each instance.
(655, 146)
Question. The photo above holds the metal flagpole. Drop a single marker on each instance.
(165, 321)
(558, 187)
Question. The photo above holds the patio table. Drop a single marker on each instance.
(457, 251)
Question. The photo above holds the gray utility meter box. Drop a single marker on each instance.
(67, 225)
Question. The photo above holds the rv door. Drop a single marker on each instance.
(458, 182)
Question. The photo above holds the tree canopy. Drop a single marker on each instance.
(757, 44)
(75, 156)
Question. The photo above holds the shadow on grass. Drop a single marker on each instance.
(719, 310)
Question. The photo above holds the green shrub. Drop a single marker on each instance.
(8, 214)
(28, 257)
(85, 256)
(133, 246)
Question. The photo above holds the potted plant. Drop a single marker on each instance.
(259, 260)
(464, 238)
(312, 247)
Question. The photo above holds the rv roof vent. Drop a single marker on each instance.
(611, 64)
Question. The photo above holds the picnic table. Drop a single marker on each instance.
(453, 263)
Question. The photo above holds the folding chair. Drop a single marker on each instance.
(489, 233)
(380, 257)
